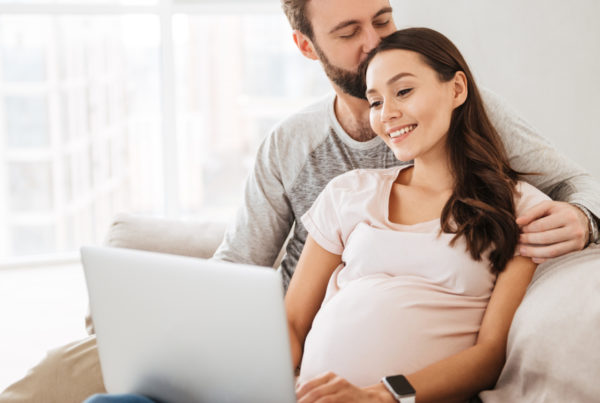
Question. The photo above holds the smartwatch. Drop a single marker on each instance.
(400, 388)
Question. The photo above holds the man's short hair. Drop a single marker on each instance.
(295, 11)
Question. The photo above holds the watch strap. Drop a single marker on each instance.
(594, 234)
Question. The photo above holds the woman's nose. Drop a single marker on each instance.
(390, 111)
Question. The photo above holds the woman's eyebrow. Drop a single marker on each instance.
(398, 77)
(391, 80)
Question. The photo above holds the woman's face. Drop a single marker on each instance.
(411, 108)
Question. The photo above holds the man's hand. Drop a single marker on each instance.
(331, 388)
(552, 229)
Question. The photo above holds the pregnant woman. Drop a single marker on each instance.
(411, 272)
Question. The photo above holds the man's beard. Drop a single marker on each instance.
(349, 82)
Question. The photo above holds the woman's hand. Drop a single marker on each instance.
(331, 388)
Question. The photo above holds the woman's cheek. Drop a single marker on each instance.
(375, 121)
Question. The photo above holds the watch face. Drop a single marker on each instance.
(400, 385)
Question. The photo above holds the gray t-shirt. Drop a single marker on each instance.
(308, 149)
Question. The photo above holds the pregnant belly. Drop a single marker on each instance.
(377, 326)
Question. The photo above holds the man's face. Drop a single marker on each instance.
(345, 31)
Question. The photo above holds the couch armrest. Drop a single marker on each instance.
(165, 235)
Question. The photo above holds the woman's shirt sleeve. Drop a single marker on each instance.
(526, 197)
(322, 220)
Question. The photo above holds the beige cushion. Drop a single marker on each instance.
(553, 351)
(178, 237)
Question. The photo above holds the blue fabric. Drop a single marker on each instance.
(105, 398)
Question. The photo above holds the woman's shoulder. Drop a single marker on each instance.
(363, 179)
(527, 196)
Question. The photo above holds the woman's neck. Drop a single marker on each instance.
(431, 173)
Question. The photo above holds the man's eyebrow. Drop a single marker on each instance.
(344, 24)
(391, 80)
(384, 10)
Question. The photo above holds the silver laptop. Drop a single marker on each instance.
(180, 329)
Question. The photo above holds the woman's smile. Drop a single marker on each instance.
(398, 134)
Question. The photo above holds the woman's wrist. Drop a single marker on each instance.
(381, 394)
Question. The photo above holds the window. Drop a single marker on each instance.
(135, 105)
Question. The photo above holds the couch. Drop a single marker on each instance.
(553, 352)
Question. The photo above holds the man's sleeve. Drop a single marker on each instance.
(529, 152)
(265, 217)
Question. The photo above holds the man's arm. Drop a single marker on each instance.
(554, 228)
(265, 217)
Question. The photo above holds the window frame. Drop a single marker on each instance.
(165, 11)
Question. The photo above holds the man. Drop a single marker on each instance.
(305, 151)
(291, 169)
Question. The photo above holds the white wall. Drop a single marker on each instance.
(543, 56)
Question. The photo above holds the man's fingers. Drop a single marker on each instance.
(537, 211)
(548, 252)
(559, 230)
(546, 223)
(546, 237)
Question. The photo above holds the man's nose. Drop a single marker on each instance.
(371, 39)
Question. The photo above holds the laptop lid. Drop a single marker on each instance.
(181, 329)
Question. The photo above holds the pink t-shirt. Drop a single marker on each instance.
(402, 298)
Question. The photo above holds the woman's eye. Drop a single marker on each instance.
(374, 104)
(404, 92)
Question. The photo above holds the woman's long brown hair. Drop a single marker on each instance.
(481, 207)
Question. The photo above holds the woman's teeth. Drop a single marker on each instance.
(402, 131)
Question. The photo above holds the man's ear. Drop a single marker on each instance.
(460, 88)
(305, 45)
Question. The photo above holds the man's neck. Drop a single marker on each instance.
(353, 115)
